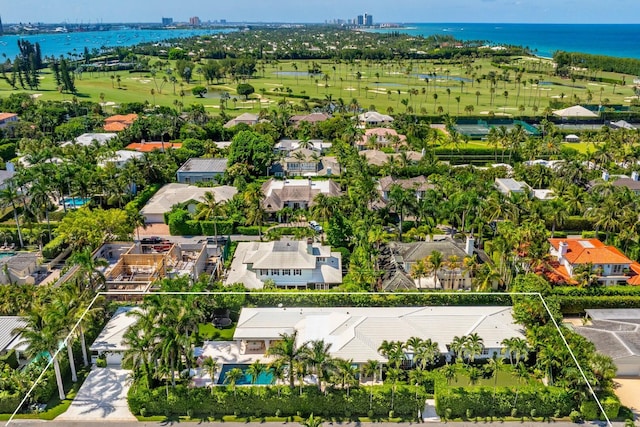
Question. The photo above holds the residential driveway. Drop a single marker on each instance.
(102, 397)
(628, 390)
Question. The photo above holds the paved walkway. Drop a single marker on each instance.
(102, 397)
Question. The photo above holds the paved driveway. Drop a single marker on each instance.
(628, 390)
(102, 397)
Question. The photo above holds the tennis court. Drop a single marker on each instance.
(480, 129)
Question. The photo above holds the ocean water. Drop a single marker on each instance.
(57, 44)
(622, 40)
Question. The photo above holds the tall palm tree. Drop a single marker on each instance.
(371, 369)
(210, 367)
(474, 346)
(346, 372)
(8, 198)
(43, 337)
(458, 347)
(435, 262)
(316, 354)
(90, 269)
(286, 352)
(253, 198)
(256, 369)
(232, 377)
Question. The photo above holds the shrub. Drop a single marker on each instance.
(253, 230)
(54, 248)
(10, 359)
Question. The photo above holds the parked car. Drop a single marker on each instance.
(315, 226)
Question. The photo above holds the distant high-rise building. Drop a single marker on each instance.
(223, 21)
(1, 30)
(368, 20)
(360, 20)
(194, 20)
(167, 21)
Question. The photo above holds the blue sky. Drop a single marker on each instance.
(535, 11)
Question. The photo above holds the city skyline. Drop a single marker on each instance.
(498, 11)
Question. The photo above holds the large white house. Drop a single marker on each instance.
(290, 264)
(356, 333)
(110, 342)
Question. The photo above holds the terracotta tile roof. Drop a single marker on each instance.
(122, 118)
(635, 279)
(584, 251)
(115, 127)
(4, 116)
(146, 147)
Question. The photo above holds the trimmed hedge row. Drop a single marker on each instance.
(468, 403)
(577, 305)
(277, 401)
(575, 291)
(364, 299)
(591, 411)
(143, 197)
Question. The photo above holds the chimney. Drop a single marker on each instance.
(468, 248)
(563, 247)
(309, 245)
(634, 175)
(605, 176)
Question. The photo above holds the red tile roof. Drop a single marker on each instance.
(146, 147)
(115, 126)
(122, 118)
(584, 251)
(5, 116)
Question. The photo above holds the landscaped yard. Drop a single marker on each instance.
(208, 332)
(505, 379)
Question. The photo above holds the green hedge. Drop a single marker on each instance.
(7, 151)
(253, 230)
(143, 197)
(10, 359)
(54, 248)
(364, 299)
(577, 305)
(590, 410)
(618, 290)
(267, 401)
(9, 402)
(468, 403)
(577, 223)
(208, 228)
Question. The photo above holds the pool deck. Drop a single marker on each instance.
(228, 352)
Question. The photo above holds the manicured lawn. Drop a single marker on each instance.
(210, 333)
(505, 379)
(381, 86)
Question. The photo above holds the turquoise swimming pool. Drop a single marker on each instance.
(75, 202)
(264, 378)
(6, 254)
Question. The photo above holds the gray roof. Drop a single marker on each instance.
(627, 182)
(5, 175)
(412, 252)
(615, 332)
(204, 165)
(7, 325)
(20, 261)
(511, 184)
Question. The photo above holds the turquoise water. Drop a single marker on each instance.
(75, 202)
(6, 254)
(65, 43)
(621, 40)
(265, 378)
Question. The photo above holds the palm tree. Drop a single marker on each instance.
(253, 197)
(210, 367)
(458, 347)
(449, 371)
(256, 369)
(435, 262)
(90, 269)
(474, 346)
(232, 377)
(346, 372)
(311, 421)
(8, 198)
(316, 354)
(287, 353)
(371, 369)
(43, 337)
(427, 353)
(210, 209)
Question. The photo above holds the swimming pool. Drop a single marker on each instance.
(75, 202)
(6, 254)
(264, 378)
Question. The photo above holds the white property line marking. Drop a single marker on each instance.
(539, 295)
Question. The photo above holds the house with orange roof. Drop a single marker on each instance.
(6, 118)
(119, 122)
(612, 266)
(147, 147)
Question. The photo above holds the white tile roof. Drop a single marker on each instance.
(8, 339)
(172, 194)
(110, 339)
(357, 332)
